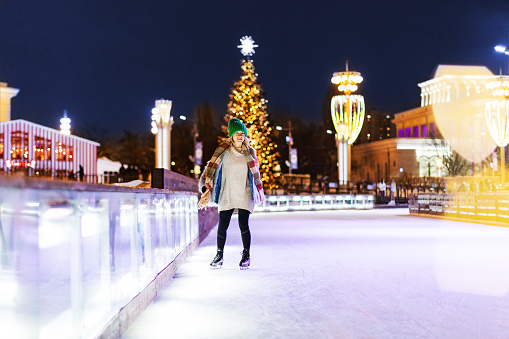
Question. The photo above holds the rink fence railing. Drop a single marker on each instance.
(308, 202)
(82, 260)
(492, 207)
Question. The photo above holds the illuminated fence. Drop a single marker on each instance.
(481, 207)
(316, 202)
(73, 256)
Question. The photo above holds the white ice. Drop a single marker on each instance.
(341, 274)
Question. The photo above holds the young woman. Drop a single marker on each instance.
(232, 180)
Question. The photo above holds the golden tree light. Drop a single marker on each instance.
(248, 104)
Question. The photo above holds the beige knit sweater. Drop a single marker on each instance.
(235, 189)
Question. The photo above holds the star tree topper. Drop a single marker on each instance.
(247, 46)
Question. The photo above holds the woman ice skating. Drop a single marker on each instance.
(232, 180)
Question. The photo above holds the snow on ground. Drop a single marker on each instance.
(341, 274)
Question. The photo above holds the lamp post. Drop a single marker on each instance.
(161, 127)
(502, 49)
(347, 112)
(289, 141)
(197, 147)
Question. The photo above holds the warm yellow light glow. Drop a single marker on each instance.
(497, 117)
(348, 110)
(458, 96)
(247, 104)
(347, 81)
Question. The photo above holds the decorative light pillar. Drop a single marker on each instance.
(161, 127)
(497, 117)
(347, 112)
(65, 124)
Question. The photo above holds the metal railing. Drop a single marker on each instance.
(481, 207)
(316, 202)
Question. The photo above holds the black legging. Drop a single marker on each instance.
(224, 222)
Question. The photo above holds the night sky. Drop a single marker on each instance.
(106, 62)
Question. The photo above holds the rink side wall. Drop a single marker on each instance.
(83, 260)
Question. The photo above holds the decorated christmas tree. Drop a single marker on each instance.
(248, 104)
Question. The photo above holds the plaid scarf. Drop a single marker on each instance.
(219, 153)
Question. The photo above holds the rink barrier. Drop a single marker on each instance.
(84, 260)
(281, 203)
(489, 207)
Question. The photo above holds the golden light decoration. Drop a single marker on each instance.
(347, 81)
(347, 113)
(497, 117)
(348, 110)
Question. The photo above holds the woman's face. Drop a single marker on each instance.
(239, 137)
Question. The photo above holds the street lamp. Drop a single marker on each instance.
(161, 127)
(198, 148)
(289, 141)
(347, 112)
(502, 49)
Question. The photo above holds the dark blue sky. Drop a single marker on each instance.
(107, 61)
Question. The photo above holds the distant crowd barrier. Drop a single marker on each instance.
(477, 207)
(316, 202)
(82, 261)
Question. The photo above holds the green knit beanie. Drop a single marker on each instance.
(235, 125)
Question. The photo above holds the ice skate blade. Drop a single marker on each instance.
(244, 268)
(216, 267)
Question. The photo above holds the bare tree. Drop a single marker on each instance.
(453, 163)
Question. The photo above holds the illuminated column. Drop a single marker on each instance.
(161, 127)
(65, 124)
(343, 153)
(347, 115)
(497, 118)
(6, 94)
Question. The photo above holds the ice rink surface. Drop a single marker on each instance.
(341, 274)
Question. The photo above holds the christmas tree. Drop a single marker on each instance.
(248, 104)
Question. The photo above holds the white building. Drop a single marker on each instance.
(39, 150)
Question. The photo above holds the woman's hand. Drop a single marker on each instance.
(208, 187)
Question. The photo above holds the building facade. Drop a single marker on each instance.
(42, 151)
(419, 148)
(376, 126)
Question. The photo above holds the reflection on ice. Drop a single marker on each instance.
(473, 261)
